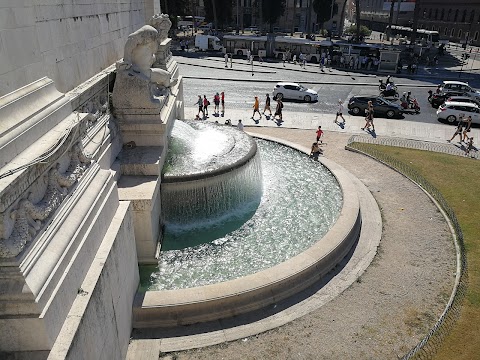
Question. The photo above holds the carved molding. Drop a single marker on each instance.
(21, 223)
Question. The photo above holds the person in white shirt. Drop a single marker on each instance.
(339, 112)
(240, 125)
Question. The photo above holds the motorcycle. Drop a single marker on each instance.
(383, 85)
(389, 94)
(410, 108)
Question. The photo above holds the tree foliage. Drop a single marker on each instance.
(364, 31)
(223, 9)
(272, 10)
(323, 8)
(176, 7)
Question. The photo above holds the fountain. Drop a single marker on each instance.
(224, 254)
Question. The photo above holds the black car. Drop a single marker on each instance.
(381, 106)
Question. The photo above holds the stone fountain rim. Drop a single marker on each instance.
(167, 179)
(169, 308)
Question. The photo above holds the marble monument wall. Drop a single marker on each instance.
(68, 41)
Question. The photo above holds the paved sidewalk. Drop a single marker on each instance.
(396, 130)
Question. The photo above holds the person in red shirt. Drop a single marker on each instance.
(216, 101)
(222, 99)
(205, 105)
(319, 134)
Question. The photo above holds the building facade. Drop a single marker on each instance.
(459, 22)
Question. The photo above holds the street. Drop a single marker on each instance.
(208, 75)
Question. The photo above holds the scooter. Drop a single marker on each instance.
(389, 94)
(383, 85)
(412, 108)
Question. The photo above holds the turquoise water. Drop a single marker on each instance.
(301, 201)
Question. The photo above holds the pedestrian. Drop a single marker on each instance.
(256, 108)
(339, 112)
(248, 55)
(251, 59)
(284, 58)
(216, 101)
(240, 125)
(205, 105)
(200, 107)
(469, 146)
(222, 99)
(458, 130)
(322, 62)
(315, 151)
(467, 128)
(319, 134)
(267, 105)
(278, 110)
(304, 61)
(294, 59)
(300, 59)
(369, 117)
(226, 59)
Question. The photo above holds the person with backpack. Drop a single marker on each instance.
(216, 101)
(256, 108)
(267, 105)
(200, 107)
(278, 110)
(205, 105)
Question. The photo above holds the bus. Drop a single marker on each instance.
(239, 44)
(428, 36)
(296, 46)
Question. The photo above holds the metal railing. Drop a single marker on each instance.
(432, 341)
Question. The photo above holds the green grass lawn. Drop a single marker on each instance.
(458, 180)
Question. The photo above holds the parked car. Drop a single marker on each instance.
(459, 88)
(381, 106)
(466, 99)
(452, 111)
(294, 91)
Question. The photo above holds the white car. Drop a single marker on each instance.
(467, 99)
(294, 91)
(452, 111)
(459, 88)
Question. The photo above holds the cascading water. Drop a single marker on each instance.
(207, 188)
(300, 202)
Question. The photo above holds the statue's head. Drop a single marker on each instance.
(162, 23)
(141, 47)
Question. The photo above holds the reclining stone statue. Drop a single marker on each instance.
(139, 88)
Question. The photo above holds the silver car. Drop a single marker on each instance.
(294, 91)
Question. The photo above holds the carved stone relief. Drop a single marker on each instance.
(21, 222)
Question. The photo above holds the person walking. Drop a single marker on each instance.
(226, 59)
(200, 107)
(205, 105)
(222, 100)
(315, 151)
(278, 110)
(458, 130)
(284, 58)
(319, 134)
(469, 146)
(369, 117)
(339, 112)
(216, 101)
(256, 108)
(467, 128)
(267, 105)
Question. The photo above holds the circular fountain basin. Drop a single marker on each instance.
(228, 298)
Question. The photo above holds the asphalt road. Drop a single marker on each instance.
(205, 76)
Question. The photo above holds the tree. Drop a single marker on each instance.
(357, 16)
(416, 12)
(390, 21)
(323, 8)
(222, 10)
(272, 10)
